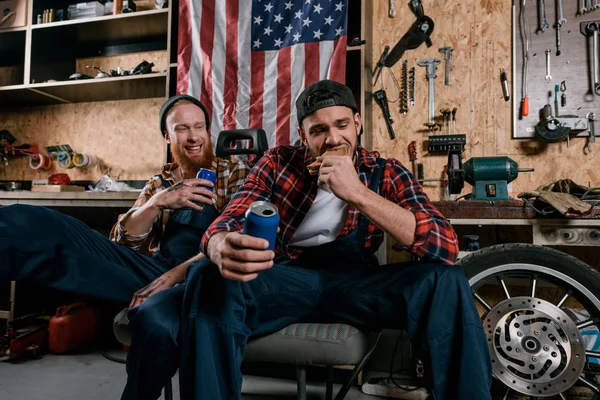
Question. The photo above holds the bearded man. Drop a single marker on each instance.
(169, 217)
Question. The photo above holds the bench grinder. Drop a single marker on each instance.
(489, 176)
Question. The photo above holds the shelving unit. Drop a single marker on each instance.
(36, 61)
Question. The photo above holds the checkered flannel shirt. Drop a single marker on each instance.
(281, 177)
(230, 176)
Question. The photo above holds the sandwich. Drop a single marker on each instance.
(313, 168)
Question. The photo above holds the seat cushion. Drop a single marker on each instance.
(120, 328)
(326, 344)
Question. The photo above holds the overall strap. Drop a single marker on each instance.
(363, 223)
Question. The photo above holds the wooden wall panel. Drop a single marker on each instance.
(124, 135)
(125, 61)
(481, 34)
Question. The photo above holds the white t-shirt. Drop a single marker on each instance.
(323, 221)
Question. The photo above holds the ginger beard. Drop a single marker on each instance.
(203, 160)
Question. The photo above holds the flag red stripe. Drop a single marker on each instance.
(207, 28)
(311, 63)
(184, 51)
(338, 60)
(257, 85)
(230, 86)
(284, 89)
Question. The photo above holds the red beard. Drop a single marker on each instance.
(205, 160)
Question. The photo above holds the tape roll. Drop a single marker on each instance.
(83, 160)
(65, 160)
(40, 161)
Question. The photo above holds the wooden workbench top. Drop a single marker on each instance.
(69, 199)
(507, 209)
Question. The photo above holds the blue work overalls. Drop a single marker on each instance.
(331, 283)
(153, 356)
(56, 250)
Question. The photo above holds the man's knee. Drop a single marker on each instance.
(151, 322)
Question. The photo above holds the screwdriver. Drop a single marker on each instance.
(504, 80)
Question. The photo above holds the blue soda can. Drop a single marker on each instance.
(208, 175)
(262, 219)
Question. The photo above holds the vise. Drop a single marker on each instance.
(489, 177)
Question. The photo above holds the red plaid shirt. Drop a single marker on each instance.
(281, 177)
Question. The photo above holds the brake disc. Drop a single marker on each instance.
(536, 348)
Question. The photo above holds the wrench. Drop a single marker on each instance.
(582, 8)
(543, 23)
(548, 76)
(561, 17)
(592, 117)
(557, 26)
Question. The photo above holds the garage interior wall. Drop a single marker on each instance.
(481, 34)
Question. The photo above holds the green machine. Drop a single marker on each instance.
(489, 176)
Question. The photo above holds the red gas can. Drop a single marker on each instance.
(73, 327)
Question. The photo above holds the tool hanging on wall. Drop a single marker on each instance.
(381, 99)
(411, 85)
(542, 15)
(447, 51)
(418, 33)
(412, 155)
(504, 80)
(556, 112)
(430, 64)
(379, 66)
(592, 121)
(525, 39)
(392, 12)
(404, 94)
(592, 28)
(8, 149)
(553, 129)
(563, 96)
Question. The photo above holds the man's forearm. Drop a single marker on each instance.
(140, 221)
(177, 274)
(396, 221)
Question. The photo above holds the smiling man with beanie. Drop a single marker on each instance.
(169, 216)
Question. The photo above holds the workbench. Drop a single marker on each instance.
(70, 199)
(553, 230)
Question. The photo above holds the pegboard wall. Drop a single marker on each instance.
(571, 66)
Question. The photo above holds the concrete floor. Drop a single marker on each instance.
(93, 377)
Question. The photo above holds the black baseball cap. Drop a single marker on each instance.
(341, 95)
(170, 103)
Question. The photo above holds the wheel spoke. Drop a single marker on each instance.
(506, 393)
(533, 286)
(585, 324)
(482, 301)
(592, 354)
(504, 288)
(562, 396)
(590, 384)
(562, 299)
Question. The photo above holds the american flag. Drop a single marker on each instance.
(248, 60)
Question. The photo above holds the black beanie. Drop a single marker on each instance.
(164, 110)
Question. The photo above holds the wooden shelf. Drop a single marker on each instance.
(117, 88)
(16, 29)
(136, 25)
